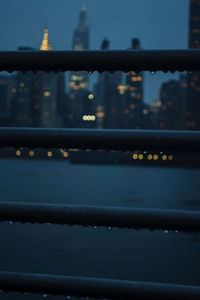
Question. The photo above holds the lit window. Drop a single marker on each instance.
(49, 154)
(155, 157)
(150, 157)
(90, 96)
(93, 118)
(164, 157)
(126, 111)
(47, 94)
(135, 156)
(18, 152)
(21, 84)
(141, 156)
(100, 115)
(65, 154)
(31, 153)
(78, 47)
(170, 157)
(145, 111)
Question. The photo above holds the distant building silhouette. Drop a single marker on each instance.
(109, 100)
(80, 104)
(52, 94)
(39, 98)
(7, 88)
(135, 111)
(193, 103)
(172, 105)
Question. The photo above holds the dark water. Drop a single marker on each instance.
(117, 253)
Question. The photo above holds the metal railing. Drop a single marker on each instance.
(99, 139)
(154, 219)
(95, 288)
(127, 60)
(123, 140)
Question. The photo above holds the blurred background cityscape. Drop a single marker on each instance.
(110, 101)
(103, 100)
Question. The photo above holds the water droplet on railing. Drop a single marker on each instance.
(44, 295)
(153, 72)
(176, 231)
(90, 72)
(10, 222)
(109, 227)
(166, 231)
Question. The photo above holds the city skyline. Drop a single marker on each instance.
(119, 31)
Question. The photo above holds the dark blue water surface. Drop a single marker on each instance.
(117, 253)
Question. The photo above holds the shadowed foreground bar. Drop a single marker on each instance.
(96, 288)
(160, 140)
(100, 216)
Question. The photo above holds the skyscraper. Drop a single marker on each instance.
(171, 115)
(134, 108)
(45, 45)
(193, 102)
(48, 93)
(24, 97)
(78, 81)
(39, 97)
(109, 100)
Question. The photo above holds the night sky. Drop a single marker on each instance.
(159, 24)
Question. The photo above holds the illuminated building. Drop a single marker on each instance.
(52, 95)
(48, 93)
(78, 81)
(135, 111)
(45, 45)
(109, 98)
(193, 103)
(39, 98)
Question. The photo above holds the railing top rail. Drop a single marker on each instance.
(155, 219)
(95, 287)
(123, 60)
(124, 140)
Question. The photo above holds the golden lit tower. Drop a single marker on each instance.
(46, 46)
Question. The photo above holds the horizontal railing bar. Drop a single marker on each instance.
(155, 219)
(126, 60)
(158, 140)
(95, 288)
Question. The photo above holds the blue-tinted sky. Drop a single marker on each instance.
(159, 24)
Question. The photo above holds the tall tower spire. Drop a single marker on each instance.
(84, 7)
(82, 17)
(45, 45)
